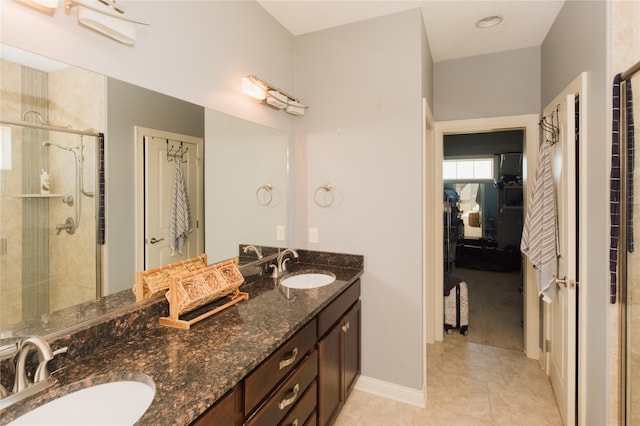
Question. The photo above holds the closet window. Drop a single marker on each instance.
(467, 169)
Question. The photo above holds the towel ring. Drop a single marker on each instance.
(327, 199)
(264, 194)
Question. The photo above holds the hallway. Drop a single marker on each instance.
(467, 384)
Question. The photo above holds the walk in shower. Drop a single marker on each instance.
(50, 196)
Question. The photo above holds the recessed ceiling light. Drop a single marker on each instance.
(489, 21)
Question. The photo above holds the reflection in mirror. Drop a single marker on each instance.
(246, 185)
(48, 186)
(230, 201)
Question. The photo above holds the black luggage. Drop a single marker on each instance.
(456, 305)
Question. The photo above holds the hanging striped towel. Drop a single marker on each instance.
(540, 232)
(180, 220)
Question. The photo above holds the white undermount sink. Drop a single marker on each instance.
(308, 279)
(120, 402)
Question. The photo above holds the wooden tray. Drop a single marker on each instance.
(156, 281)
(192, 290)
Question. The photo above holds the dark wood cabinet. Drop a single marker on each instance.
(287, 396)
(267, 375)
(351, 339)
(226, 412)
(307, 380)
(339, 350)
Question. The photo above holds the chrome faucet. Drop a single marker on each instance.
(281, 262)
(22, 386)
(255, 249)
(21, 381)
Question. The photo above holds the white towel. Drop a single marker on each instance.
(540, 232)
(180, 221)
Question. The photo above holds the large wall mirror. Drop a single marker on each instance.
(246, 175)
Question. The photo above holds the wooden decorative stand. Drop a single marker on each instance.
(156, 281)
(191, 290)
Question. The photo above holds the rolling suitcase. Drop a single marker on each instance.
(456, 309)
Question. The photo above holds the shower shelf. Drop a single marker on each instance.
(39, 196)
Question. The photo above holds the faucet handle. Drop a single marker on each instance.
(42, 371)
(284, 264)
(61, 350)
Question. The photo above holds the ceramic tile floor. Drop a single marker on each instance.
(467, 384)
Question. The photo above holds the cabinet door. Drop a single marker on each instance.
(350, 328)
(226, 412)
(329, 384)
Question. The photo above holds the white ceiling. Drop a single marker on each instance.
(450, 24)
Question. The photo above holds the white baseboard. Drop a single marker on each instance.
(392, 391)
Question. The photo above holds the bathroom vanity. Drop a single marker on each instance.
(285, 356)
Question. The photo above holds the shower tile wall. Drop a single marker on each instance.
(10, 206)
(76, 252)
(63, 266)
(35, 211)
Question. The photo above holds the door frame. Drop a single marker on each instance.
(434, 262)
(198, 215)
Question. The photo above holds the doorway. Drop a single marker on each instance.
(482, 175)
(435, 266)
(159, 155)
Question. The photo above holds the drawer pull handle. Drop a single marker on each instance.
(346, 326)
(289, 360)
(295, 422)
(288, 401)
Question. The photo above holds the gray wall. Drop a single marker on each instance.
(363, 134)
(129, 106)
(577, 42)
(493, 85)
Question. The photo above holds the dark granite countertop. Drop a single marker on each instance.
(193, 368)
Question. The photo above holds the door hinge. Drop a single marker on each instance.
(547, 346)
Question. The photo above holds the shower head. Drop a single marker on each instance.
(66, 148)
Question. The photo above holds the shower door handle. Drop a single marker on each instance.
(153, 240)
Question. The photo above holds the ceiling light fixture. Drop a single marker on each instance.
(489, 21)
(271, 96)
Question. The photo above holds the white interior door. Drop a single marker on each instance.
(156, 167)
(560, 315)
(162, 156)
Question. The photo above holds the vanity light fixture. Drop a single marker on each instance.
(489, 21)
(97, 15)
(44, 6)
(270, 96)
(277, 99)
(254, 88)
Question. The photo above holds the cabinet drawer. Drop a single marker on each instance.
(332, 313)
(282, 401)
(264, 378)
(303, 408)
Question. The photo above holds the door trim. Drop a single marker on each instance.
(529, 123)
(140, 133)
